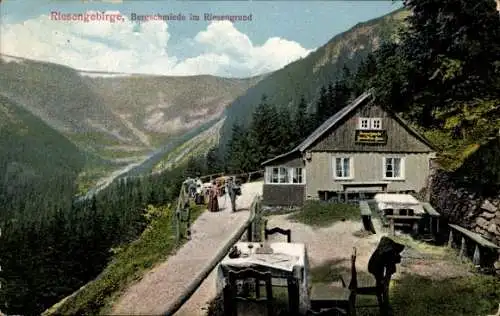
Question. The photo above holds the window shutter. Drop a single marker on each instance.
(384, 166)
(402, 167)
(351, 167)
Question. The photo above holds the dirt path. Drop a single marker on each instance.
(336, 242)
(154, 293)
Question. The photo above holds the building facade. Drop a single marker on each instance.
(363, 148)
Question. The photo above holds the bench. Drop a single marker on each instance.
(433, 220)
(392, 218)
(481, 244)
(366, 216)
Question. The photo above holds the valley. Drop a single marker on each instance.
(123, 121)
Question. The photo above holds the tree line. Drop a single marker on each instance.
(275, 129)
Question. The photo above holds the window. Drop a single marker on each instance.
(369, 123)
(297, 175)
(393, 168)
(275, 175)
(343, 168)
(284, 175)
(364, 123)
(376, 123)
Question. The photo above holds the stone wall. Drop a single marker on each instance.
(466, 207)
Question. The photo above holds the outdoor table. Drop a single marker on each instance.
(287, 260)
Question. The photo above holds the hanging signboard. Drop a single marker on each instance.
(371, 137)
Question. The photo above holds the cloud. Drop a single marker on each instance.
(144, 48)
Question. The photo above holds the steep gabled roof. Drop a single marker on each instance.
(413, 131)
(280, 156)
(325, 126)
(337, 117)
(333, 120)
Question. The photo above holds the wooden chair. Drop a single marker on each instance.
(328, 296)
(231, 296)
(370, 285)
(278, 230)
(335, 311)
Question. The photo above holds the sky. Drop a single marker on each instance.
(267, 36)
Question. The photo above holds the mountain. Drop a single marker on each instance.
(158, 107)
(116, 116)
(305, 77)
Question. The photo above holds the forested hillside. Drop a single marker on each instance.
(32, 154)
(443, 76)
(306, 76)
(52, 245)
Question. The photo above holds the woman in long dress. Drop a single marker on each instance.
(213, 202)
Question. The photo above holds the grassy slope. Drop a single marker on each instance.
(305, 76)
(196, 146)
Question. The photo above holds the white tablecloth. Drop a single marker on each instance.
(398, 201)
(285, 257)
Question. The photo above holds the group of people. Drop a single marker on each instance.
(231, 188)
(197, 191)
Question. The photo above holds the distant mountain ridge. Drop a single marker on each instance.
(117, 115)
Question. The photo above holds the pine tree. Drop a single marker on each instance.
(302, 121)
(213, 163)
(366, 71)
(240, 155)
(451, 48)
(284, 136)
(322, 110)
(265, 131)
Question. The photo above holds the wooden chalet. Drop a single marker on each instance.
(363, 149)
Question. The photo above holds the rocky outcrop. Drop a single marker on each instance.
(465, 207)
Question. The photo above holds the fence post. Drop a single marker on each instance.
(258, 221)
(178, 225)
(249, 232)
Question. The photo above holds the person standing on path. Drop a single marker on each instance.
(232, 192)
(213, 202)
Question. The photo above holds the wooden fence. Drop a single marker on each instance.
(253, 229)
(182, 216)
(248, 176)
